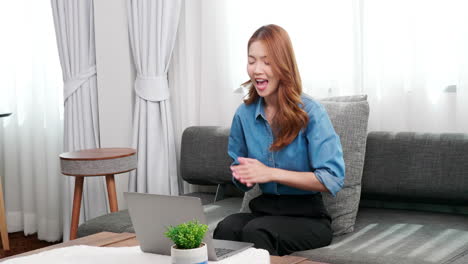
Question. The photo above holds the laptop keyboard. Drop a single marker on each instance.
(222, 251)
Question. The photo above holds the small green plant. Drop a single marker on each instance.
(187, 235)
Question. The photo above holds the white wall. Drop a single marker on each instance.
(115, 77)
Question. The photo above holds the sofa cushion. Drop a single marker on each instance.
(350, 122)
(120, 222)
(404, 204)
(398, 236)
(217, 211)
(463, 259)
(417, 167)
(204, 159)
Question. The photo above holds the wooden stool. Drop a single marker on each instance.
(96, 162)
(3, 223)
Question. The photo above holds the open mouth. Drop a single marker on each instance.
(261, 84)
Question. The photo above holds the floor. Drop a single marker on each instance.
(19, 243)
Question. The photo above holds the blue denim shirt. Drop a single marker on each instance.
(316, 149)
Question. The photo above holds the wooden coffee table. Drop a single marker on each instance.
(108, 239)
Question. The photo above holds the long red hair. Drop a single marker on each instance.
(290, 118)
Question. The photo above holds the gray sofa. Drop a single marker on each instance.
(413, 206)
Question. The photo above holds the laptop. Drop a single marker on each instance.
(151, 214)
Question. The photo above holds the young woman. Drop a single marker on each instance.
(284, 141)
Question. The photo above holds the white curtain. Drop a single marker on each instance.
(323, 34)
(152, 29)
(31, 138)
(200, 74)
(74, 27)
(410, 57)
(210, 56)
(415, 60)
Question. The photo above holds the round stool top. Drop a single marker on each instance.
(97, 162)
(98, 154)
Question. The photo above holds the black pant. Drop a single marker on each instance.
(281, 224)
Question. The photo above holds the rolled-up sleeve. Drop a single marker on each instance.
(237, 148)
(325, 152)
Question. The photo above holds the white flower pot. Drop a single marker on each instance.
(190, 256)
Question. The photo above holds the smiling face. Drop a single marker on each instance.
(260, 71)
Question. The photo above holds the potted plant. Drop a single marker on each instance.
(188, 247)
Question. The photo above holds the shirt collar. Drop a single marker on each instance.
(260, 109)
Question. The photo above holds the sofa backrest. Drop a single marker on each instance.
(204, 159)
(416, 167)
(407, 167)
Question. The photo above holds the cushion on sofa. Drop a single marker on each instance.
(217, 211)
(462, 259)
(349, 115)
(204, 159)
(350, 122)
(417, 167)
(385, 236)
(120, 222)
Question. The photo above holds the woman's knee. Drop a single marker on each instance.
(282, 236)
(255, 232)
(255, 229)
(230, 228)
(253, 226)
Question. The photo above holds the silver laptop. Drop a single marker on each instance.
(151, 214)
